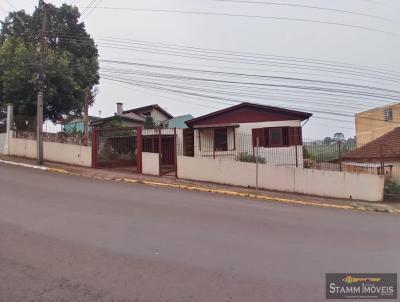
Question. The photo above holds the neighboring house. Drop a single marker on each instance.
(376, 122)
(178, 122)
(233, 131)
(76, 124)
(380, 156)
(134, 117)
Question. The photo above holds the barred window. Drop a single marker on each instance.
(388, 113)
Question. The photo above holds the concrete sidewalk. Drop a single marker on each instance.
(130, 175)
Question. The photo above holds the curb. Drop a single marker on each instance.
(215, 191)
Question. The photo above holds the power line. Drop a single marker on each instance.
(309, 7)
(372, 29)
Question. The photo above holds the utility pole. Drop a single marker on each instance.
(40, 96)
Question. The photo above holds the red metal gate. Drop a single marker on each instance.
(119, 147)
(166, 138)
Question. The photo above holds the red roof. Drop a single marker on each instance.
(386, 146)
(249, 113)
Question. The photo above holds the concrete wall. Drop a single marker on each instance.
(287, 179)
(55, 152)
(150, 163)
(3, 137)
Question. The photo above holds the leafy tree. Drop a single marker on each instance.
(149, 123)
(328, 140)
(70, 62)
(351, 141)
(338, 137)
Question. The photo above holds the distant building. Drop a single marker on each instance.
(376, 122)
(177, 122)
(76, 124)
(134, 117)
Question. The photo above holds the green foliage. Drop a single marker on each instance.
(392, 187)
(338, 137)
(306, 153)
(248, 158)
(70, 62)
(328, 140)
(149, 123)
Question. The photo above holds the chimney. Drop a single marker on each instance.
(120, 109)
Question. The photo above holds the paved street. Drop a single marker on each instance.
(67, 238)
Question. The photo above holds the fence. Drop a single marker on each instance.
(280, 149)
(233, 146)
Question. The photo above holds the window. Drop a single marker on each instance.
(221, 139)
(277, 136)
(388, 113)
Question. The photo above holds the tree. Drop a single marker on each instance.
(70, 62)
(328, 140)
(149, 123)
(338, 137)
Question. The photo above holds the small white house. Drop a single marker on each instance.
(248, 131)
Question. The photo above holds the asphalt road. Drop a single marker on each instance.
(67, 238)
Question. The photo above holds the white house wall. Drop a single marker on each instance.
(244, 144)
(3, 138)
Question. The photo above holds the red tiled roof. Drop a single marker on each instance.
(386, 146)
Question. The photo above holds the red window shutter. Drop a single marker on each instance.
(296, 137)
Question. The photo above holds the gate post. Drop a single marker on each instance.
(175, 155)
(159, 152)
(139, 150)
(95, 146)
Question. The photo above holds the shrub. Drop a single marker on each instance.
(392, 187)
(248, 158)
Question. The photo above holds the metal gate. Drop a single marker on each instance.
(113, 148)
(167, 139)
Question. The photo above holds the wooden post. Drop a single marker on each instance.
(297, 156)
(340, 155)
(214, 143)
(382, 160)
(95, 146)
(234, 139)
(159, 151)
(175, 155)
(139, 150)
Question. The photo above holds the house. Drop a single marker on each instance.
(379, 156)
(134, 117)
(76, 124)
(246, 131)
(178, 122)
(376, 122)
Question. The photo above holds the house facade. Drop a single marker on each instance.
(376, 122)
(248, 131)
(134, 117)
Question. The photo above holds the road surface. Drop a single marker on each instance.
(67, 238)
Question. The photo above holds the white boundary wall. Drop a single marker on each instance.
(55, 152)
(150, 163)
(3, 138)
(286, 179)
